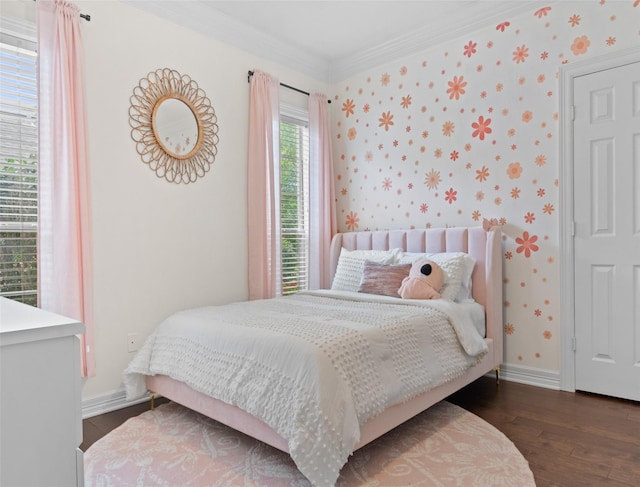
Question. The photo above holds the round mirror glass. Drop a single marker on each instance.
(176, 127)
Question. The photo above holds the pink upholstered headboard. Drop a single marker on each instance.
(485, 247)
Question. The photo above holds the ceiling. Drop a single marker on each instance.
(329, 39)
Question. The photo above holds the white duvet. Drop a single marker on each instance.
(313, 366)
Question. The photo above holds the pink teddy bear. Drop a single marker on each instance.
(424, 281)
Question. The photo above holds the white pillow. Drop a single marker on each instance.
(457, 268)
(351, 265)
(465, 286)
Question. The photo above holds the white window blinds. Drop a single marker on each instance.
(18, 169)
(294, 203)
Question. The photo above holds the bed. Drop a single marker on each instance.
(360, 414)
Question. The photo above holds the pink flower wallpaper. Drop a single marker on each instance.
(469, 129)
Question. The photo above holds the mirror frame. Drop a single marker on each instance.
(151, 91)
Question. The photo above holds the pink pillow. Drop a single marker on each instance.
(383, 279)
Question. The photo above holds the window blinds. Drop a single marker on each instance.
(18, 170)
(294, 203)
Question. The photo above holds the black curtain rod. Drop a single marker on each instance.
(86, 17)
(250, 74)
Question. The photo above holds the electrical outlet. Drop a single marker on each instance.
(132, 342)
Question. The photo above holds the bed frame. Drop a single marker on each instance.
(484, 246)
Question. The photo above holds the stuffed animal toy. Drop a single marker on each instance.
(424, 281)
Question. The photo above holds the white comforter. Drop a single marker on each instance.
(313, 366)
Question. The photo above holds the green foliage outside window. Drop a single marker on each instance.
(293, 207)
(18, 227)
(18, 161)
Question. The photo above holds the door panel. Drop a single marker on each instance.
(602, 186)
(607, 238)
(601, 307)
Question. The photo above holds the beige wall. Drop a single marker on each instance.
(161, 247)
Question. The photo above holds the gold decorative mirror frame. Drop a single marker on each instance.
(167, 146)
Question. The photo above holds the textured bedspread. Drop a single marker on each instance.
(313, 366)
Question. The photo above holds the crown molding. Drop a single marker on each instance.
(416, 40)
(201, 16)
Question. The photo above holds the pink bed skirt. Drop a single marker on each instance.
(252, 426)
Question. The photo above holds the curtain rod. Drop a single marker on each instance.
(250, 74)
(86, 17)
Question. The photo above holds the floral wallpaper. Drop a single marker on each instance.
(468, 130)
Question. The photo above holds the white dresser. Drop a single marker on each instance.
(40, 398)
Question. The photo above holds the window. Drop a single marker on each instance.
(294, 200)
(18, 168)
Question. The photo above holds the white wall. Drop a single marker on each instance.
(161, 247)
(385, 175)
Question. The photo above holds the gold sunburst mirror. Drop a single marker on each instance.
(174, 126)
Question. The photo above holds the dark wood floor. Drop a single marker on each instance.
(572, 440)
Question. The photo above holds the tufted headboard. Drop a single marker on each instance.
(484, 246)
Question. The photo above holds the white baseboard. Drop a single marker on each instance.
(105, 403)
(531, 376)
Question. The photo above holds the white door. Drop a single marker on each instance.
(606, 168)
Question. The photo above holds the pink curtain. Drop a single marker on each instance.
(65, 262)
(323, 224)
(263, 181)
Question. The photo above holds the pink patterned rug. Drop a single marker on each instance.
(173, 446)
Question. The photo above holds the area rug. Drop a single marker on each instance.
(174, 446)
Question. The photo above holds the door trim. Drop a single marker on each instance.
(568, 73)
